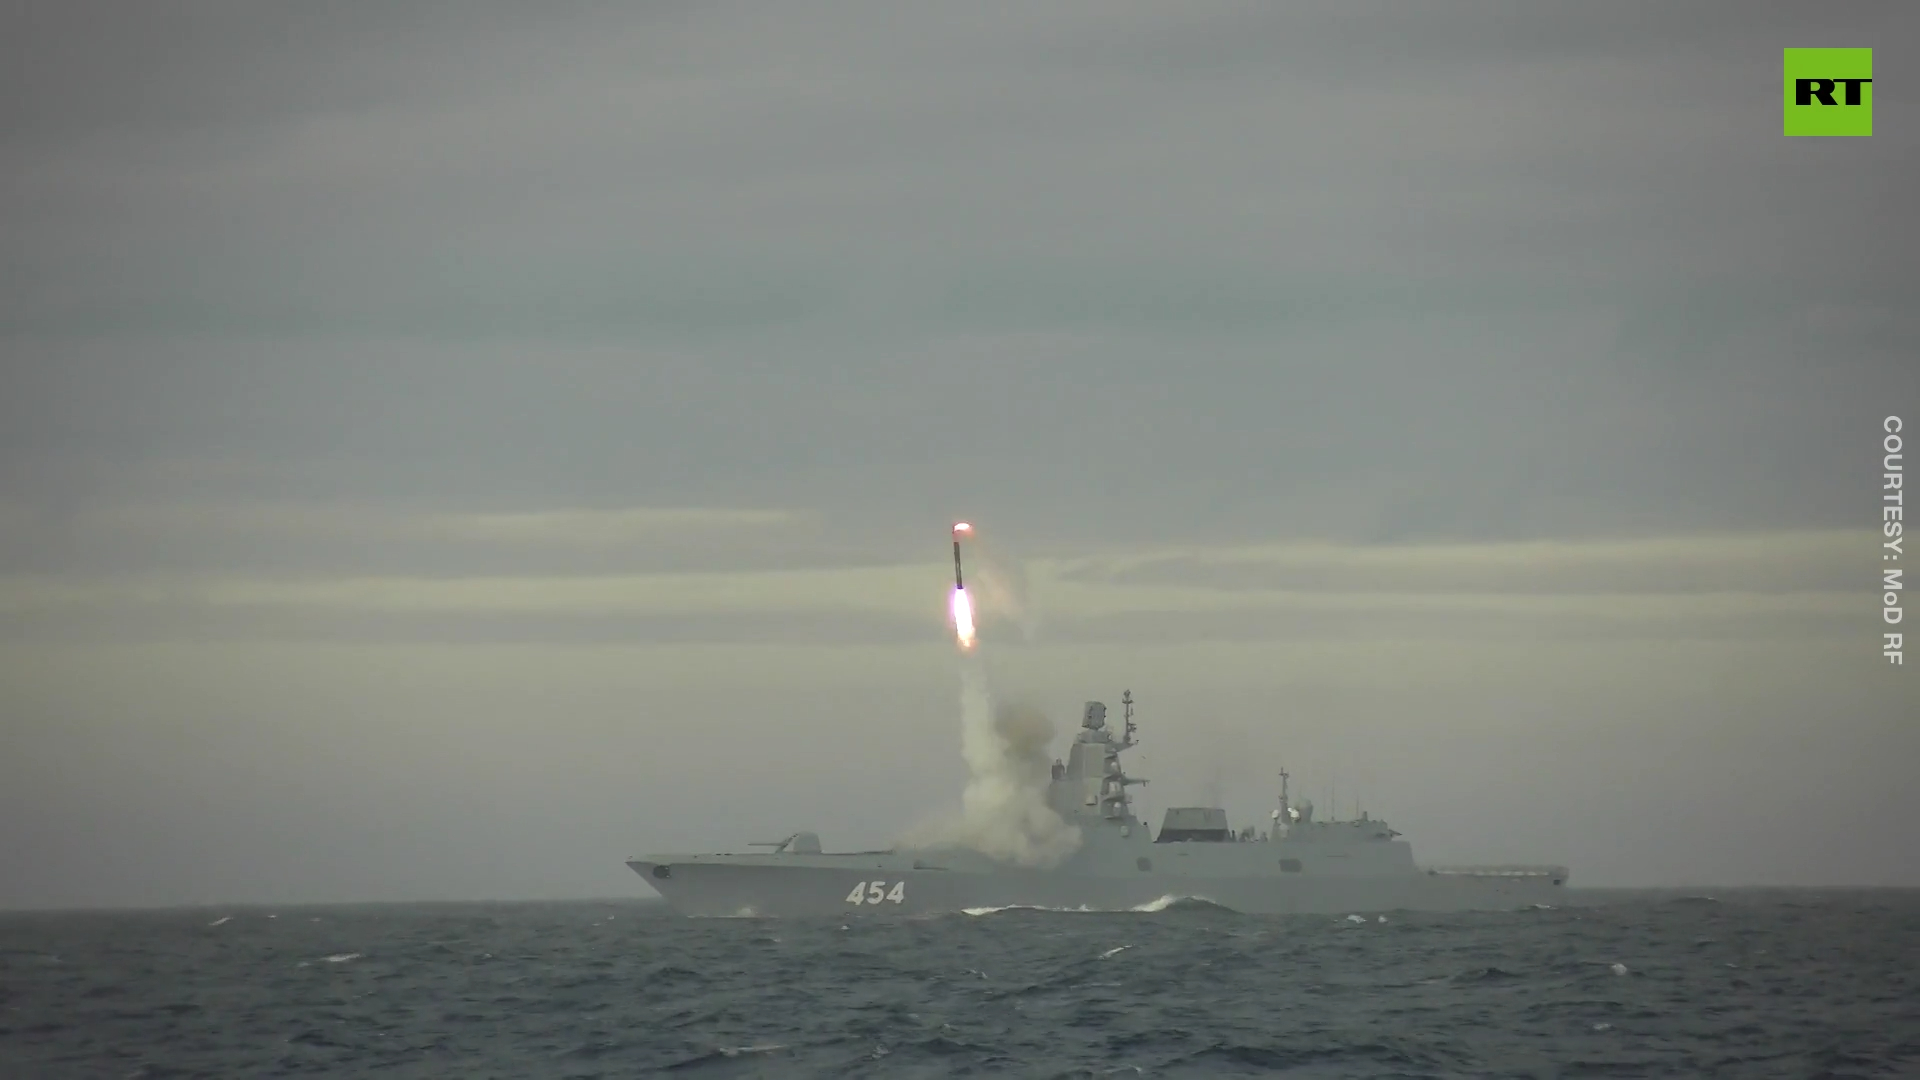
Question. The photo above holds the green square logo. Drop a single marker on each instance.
(1829, 91)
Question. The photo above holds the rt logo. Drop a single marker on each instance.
(1829, 91)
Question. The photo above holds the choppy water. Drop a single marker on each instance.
(1751, 984)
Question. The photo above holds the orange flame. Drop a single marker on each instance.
(963, 618)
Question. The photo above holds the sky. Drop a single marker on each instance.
(447, 449)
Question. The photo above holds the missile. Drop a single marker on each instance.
(960, 527)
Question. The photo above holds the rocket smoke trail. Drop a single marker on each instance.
(1003, 811)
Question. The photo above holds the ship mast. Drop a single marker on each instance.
(1115, 803)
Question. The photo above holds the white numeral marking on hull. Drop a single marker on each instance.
(875, 892)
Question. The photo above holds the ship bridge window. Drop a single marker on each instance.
(663, 871)
(1290, 866)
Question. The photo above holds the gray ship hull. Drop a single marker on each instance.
(1298, 866)
(833, 885)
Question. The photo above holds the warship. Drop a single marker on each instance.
(1296, 865)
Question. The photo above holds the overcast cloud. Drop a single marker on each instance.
(447, 448)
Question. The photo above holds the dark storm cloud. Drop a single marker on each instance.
(1775, 563)
(1546, 623)
(162, 622)
(1765, 587)
(1473, 272)
(341, 539)
(1809, 617)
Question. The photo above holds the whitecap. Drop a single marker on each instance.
(1026, 907)
(1168, 901)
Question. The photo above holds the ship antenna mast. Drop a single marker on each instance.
(1126, 700)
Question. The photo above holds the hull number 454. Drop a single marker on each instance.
(876, 892)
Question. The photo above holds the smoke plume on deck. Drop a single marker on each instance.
(1003, 811)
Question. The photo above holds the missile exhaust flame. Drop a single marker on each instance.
(963, 619)
(962, 603)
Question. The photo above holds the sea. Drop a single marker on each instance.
(1731, 984)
